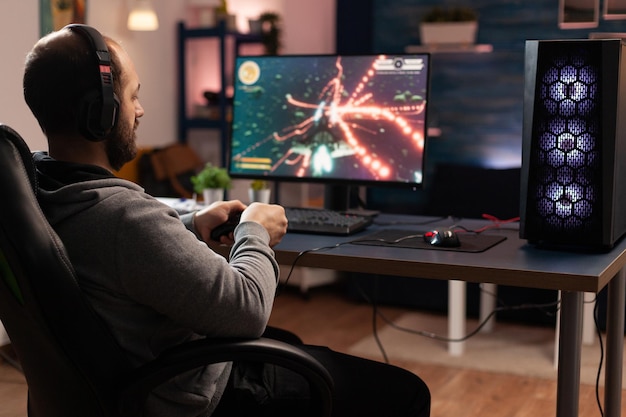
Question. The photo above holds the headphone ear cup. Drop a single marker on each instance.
(90, 109)
(97, 113)
(90, 116)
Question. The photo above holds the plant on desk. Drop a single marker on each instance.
(259, 191)
(211, 182)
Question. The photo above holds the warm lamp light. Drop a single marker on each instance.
(204, 3)
(143, 17)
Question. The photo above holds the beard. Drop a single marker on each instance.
(121, 146)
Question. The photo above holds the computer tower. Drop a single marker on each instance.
(573, 177)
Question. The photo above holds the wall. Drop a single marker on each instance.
(476, 99)
(22, 20)
(154, 54)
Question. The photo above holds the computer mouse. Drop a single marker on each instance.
(444, 237)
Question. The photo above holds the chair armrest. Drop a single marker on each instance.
(139, 383)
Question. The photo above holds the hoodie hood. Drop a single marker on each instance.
(66, 189)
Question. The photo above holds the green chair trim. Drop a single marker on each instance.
(9, 278)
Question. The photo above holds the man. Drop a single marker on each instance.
(148, 272)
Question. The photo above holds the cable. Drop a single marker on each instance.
(595, 320)
(401, 223)
(375, 313)
(435, 336)
(391, 242)
(496, 223)
(478, 327)
(304, 252)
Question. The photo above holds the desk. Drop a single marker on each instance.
(512, 262)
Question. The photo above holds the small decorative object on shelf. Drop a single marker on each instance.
(202, 12)
(270, 32)
(456, 25)
(221, 13)
(259, 191)
(212, 110)
(211, 182)
(255, 26)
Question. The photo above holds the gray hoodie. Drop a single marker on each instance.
(152, 280)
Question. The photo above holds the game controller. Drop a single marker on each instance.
(225, 228)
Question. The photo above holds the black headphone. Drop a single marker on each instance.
(98, 108)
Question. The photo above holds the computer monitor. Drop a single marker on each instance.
(338, 120)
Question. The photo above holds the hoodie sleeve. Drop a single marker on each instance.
(162, 264)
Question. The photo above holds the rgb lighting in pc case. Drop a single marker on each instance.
(573, 185)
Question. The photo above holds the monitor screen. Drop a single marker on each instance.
(354, 120)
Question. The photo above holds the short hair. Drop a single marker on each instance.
(59, 70)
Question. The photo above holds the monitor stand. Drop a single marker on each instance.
(345, 198)
(340, 197)
(337, 197)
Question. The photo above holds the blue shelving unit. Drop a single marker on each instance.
(186, 121)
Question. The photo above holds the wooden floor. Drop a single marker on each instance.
(328, 318)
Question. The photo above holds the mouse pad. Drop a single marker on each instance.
(470, 242)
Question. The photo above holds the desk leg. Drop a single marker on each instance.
(589, 326)
(614, 345)
(570, 345)
(488, 295)
(456, 316)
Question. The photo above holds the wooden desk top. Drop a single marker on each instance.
(512, 262)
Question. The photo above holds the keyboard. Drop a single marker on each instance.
(325, 221)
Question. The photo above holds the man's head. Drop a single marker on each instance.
(62, 74)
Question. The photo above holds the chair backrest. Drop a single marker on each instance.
(71, 362)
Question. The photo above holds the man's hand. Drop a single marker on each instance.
(270, 216)
(212, 216)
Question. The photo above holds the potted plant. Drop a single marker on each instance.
(454, 25)
(270, 32)
(211, 182)
(259, 191)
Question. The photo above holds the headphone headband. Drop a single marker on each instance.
(100, 113)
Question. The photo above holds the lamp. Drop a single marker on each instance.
(204, 3)
(143, 17)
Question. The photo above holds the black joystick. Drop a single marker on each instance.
(225, 228)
